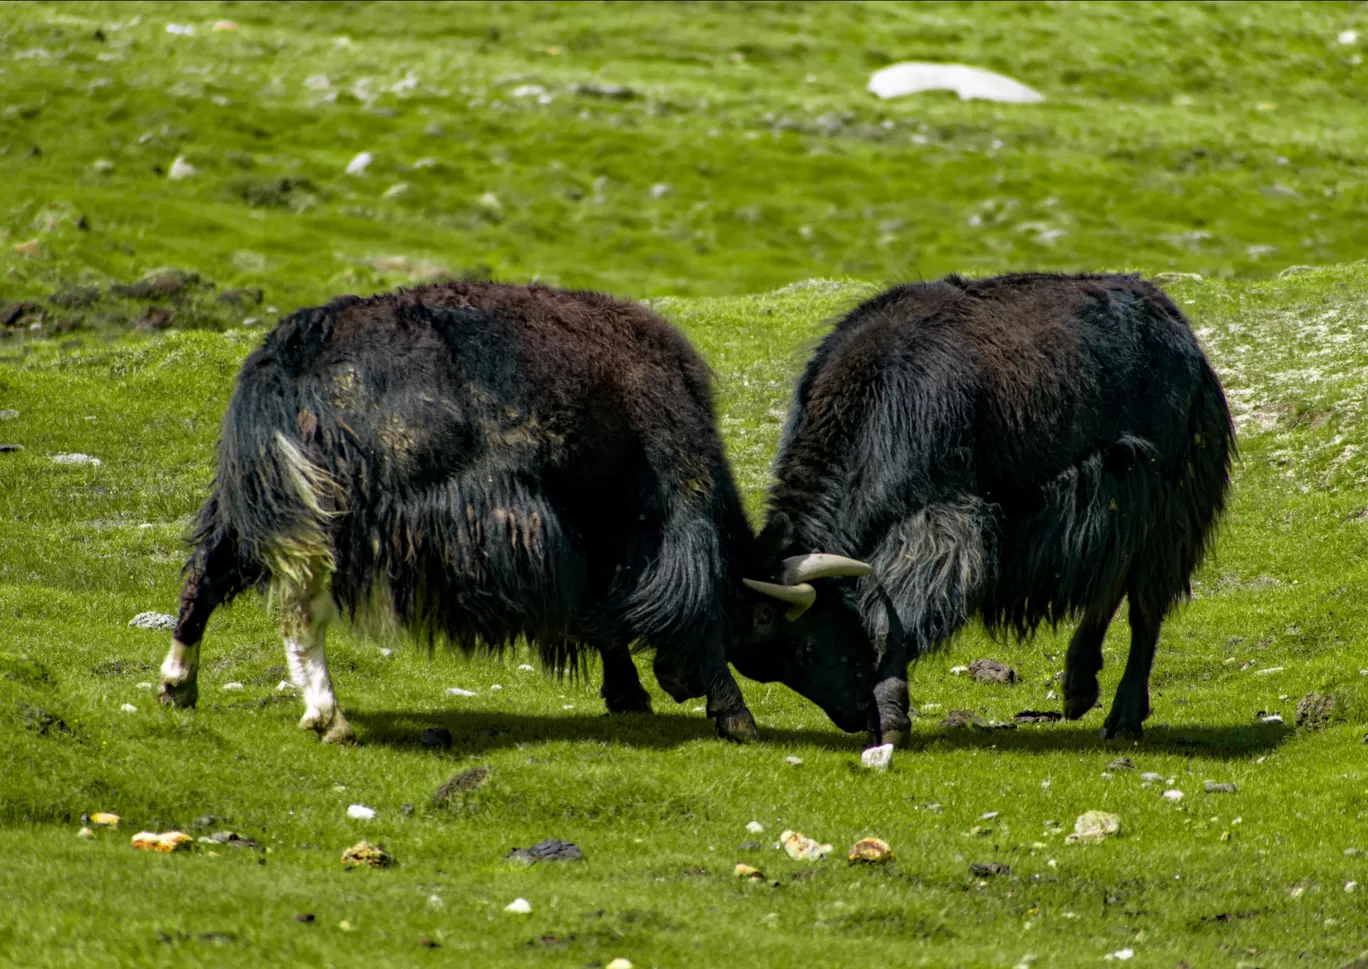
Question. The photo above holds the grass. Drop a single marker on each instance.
(1175, 138)
(658, 805)
(1216, 138)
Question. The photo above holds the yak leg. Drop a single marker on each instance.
(1084, 661)
(622, 691)
(307, 613)
(713, 679)
(211, 577)
(891, 700)
(1131, 706)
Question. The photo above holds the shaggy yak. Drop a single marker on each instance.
(1023, 449)
(475, 463)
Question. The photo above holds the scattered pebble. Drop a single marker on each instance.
(754, 827)
(285, 686)
(359, 164)
(76, 459)
(1272, 719)
(165, 842)
(1051, 695)
(985, 869)
(793, 761)
(232, 687)
(1347, 37)
(1150, 777)
(746, 871)
(85, 833)
(988, 815)
(360, 812)
(877, 758)
(395, 190)
(803, 848)
(458, 691)
(1120, 954)
(345, 926)
(129, 708)
(1214, 787)
(1173, 794)
(659, 190)
(619, 963)
(438, 737)
(519, 906)
(182, 30)
(10, 414)
(871, 850)
(526, 668)
(180, 169)
(1094, 826)
(1350, 886)
(912, 77)
(1121, 763)
(496, 687)
(934, 808)
(957, 670)
(991, 671)
(1271, 669)
(363, 853)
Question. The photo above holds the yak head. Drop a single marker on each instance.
(801, 627)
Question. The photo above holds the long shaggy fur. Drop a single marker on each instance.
(474, 463)
(1017, 448)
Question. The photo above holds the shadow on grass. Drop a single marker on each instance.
(479, 732)
(1224, 742)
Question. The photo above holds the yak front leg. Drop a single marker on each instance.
(304, 628)
(622, 691)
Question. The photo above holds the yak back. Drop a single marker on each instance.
(1011, 446)
(489, 461)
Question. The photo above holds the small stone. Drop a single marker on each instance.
(619, 963)
(345, 926)
(957, 670)
(963, 718)
(793, 761)
(359, 164)
(519, 906)
(1092, 826)
(129, 708)
(9, 414)
(991, 671)
(754, 827)
(1314, 711)
(934, 808)
(554, 849)
(85, 833)
(1347, 37)
(746, 871)
(180, 169)
(1121, 763)
(232, 687)
(526, 668)
(435, 901)
(1051, 695)
(1214, 787)
(1150, 777)
(877, 758)
(803, 848)
(406, 810)
(102, 166)
(395, 190)
(1173, 794)
(749, 846)
(660, 190)
(363, 853)
(165, 842)
(436, 737)
(1121, 955)
(76, 459)
(987, 869)
(1271, 719)
(360, 812)
(458, 691)
(988, 815)
(285, 686)
(872, 850)
(305, 917)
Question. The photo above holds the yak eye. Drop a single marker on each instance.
(764, 617)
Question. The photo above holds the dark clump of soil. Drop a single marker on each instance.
(985, 869)
(991, 671)
(455, 792)
(552, 849)
(1314, 711)
(1038, 716)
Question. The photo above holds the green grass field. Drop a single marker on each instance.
(1153, 130)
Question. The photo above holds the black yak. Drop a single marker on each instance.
(474, 463)
(1024, 449)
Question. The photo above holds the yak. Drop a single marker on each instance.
(478, 463)
(1023, 449)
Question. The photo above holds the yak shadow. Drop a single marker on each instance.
(1219, 742)
(479, 732)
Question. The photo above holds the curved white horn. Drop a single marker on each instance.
(820, 565)
(799, 596)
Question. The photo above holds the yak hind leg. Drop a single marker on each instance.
(622, 691)
(307, 611)
(1084, 661)
(1131, 706)
(211, 576)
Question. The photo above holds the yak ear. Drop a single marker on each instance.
(799, 597)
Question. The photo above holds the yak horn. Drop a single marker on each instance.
(819, 565)
(799, 596)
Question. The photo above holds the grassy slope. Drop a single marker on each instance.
(658, 805)
(1218, 138)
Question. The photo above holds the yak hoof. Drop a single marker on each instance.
(1078, 704)
(738, 727)
(1119, 731)
(183, 695)
(636, 702)
(340, 733)
(897, 736)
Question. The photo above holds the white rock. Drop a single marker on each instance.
(490, 201)
(435, 901)
(519, 906)
(180, 169)
(619, 963)
(360, 812)
(1348, 37)
(386, 652)
(793, 761)
(1350, 886)
(359, 164)
(129, 708)
(182, 30)
(957, 670)
(317, 82)
(877, 758)
(1271, 669)
(1272, 718)
(232, 687)
(457, 691)
(1150, 777)
(528, 91)
(102, 165)
(285, 686)
(526, 668)
(659, 190)
(425, 163)
(754, 827)
(153, 620)
(1173, 794)
(912, 77)
(1121, 954)
(988, 815)
(396, 190)
(495, 687)
(75, 459)
(145, 685)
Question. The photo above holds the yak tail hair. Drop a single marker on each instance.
(928, 572)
